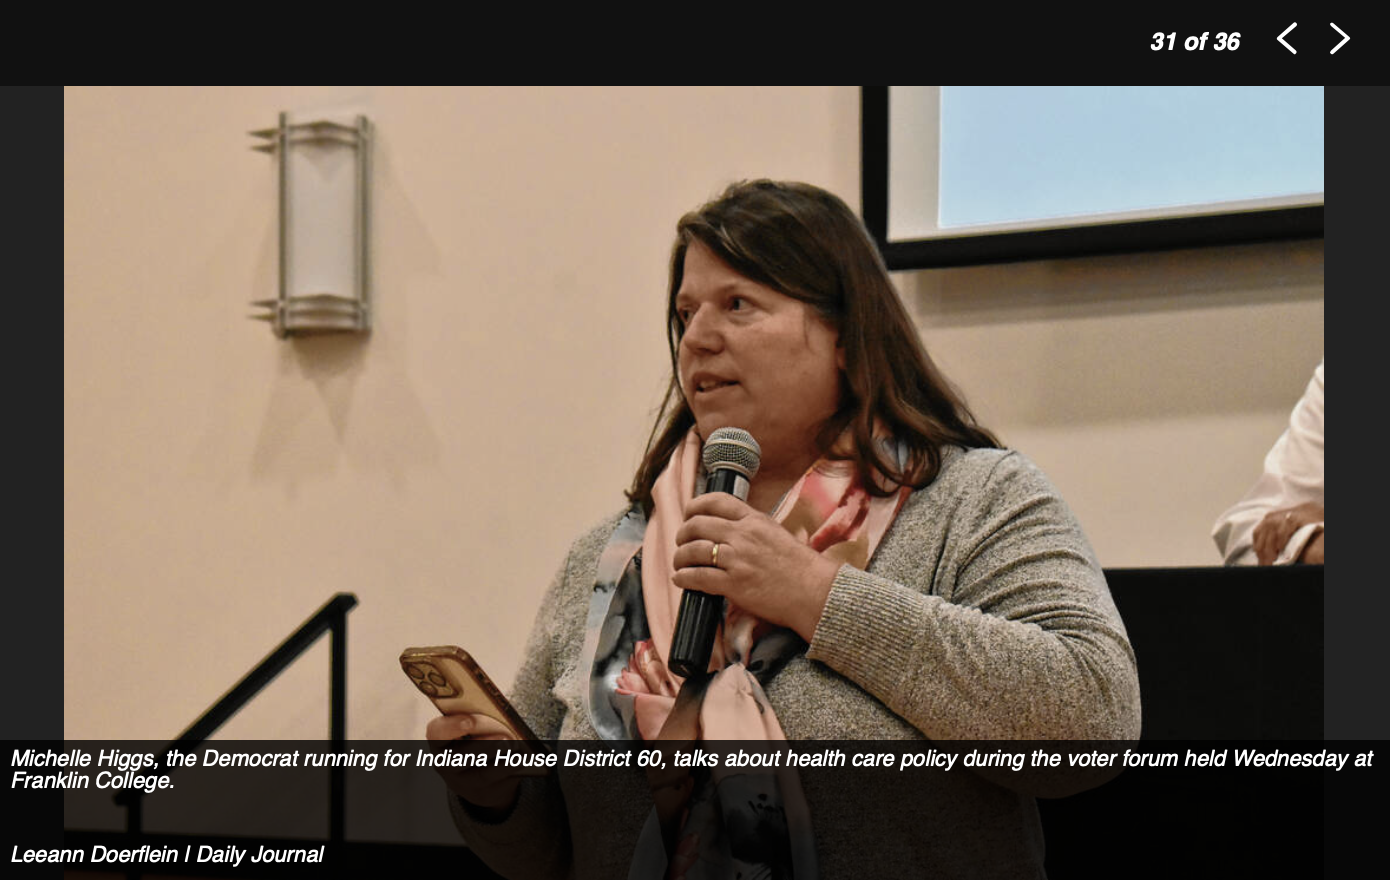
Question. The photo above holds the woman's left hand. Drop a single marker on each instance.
(760, 566)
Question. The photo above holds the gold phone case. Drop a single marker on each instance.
(455, 683)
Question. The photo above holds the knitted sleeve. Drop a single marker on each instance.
(1015, 635)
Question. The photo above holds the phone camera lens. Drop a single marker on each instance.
(436, 678)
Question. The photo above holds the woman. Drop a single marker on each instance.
(892, 575)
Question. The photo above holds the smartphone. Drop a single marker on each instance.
(455, 683)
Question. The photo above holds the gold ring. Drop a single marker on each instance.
(715, 555)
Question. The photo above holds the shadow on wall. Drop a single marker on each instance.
(1122, 284)
(393, 433)
(1135, 336)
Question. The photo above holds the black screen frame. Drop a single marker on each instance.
(1238, 227)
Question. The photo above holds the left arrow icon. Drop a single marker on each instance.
(1282, 39)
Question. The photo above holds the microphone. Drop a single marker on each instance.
(731, 459)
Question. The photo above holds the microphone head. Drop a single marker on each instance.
(733, 449)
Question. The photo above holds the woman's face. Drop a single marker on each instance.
(752, 358)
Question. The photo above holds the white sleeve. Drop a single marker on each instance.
(1293, 474)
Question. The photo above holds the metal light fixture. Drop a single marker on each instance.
(324, 186)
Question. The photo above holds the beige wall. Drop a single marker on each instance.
(221, 484)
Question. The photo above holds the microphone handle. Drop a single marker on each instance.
(692, 641)
(700, 614)
(728, 480)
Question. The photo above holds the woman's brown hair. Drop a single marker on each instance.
(807, 244)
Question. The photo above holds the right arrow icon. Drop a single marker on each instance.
(1341, 42)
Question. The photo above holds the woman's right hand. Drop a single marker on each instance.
(493, 788)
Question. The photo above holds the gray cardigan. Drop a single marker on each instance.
(983, 615)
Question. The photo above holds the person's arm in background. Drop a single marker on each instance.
(1281, 520)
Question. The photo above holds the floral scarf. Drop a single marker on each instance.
(632, 695)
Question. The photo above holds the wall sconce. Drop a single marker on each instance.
(324, 186)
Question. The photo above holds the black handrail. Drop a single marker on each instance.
(333, 617)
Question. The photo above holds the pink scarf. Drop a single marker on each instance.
(827, 508)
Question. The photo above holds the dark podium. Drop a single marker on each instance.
(1228, 658)
(1226, 653)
